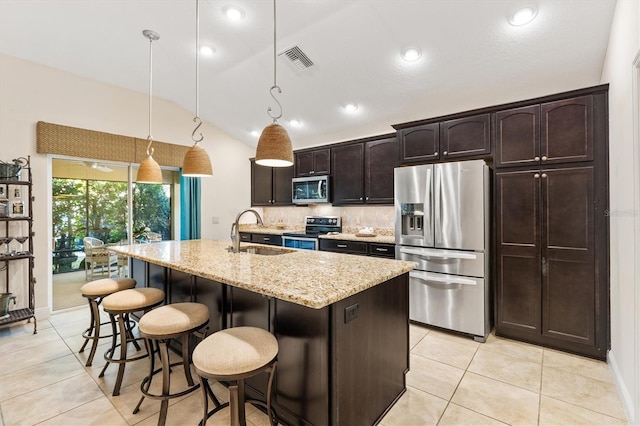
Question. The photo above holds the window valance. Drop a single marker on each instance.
(75, 142)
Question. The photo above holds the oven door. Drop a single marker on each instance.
(300, 243)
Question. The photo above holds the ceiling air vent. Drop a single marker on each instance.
(297, 58)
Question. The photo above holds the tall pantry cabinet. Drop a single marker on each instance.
(551, 225)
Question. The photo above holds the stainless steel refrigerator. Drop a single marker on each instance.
(442, 224)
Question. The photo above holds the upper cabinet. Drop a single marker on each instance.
(420, 143)
(348, 174)
(380, 158)
(270, 186)
(363, 172)
(466, 137)
(314, 162)
(460, 138)
(548, 133)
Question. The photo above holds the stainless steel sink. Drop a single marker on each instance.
(265, 251)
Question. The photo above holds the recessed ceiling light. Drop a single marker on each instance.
(255, 133)
(295, 123)
(233, 13)
(351, 107)
(411, 54)
(206, 50)
(522, 16)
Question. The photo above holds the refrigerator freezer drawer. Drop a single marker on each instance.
(449, 301)
(455, 262)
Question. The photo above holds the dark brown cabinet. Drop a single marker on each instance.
(344, 246)
(358, 247)
(549, 133)
(468, 137)
(459, 138)
(348, 174)
(270, 186)
(420, 143)
(311, 163)
(271, 239)
(548, 289)
(363, 172)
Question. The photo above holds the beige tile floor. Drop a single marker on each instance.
(453, 381)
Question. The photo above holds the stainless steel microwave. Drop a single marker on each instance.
(310, 190)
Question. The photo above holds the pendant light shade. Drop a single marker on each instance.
(274, 147)
(149, 170)
(196, 162)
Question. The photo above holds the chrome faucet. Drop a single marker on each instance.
(235, 234)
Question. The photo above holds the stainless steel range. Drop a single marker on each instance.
(442, 224)
(314, 226)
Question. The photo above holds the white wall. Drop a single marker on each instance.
(30, 92)
(624, 45)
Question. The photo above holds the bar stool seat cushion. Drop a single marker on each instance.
(173, 319)
(106, 286)
(133, 299)
(235, 351)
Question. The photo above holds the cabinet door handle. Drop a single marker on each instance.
(312, 172)
(341, 245)
(544, 158)
(266, 238)
(435, 154)
(382, 249)
(367, 198)
(445, 153)
(536, 176)
(360, 198)
(544, 175)
(536, 158)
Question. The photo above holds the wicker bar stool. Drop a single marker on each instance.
(119, 305)
(158, 327)
(95, 291)
(233, 355)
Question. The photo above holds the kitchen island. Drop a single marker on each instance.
(342, 321)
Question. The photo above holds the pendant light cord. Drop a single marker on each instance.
(149, 137)
(275, 84)
(197, 118)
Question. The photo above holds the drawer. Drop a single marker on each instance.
(342, 246)
(245, 237)
(382, 250)
(274, 240)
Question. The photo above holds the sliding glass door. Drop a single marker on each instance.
(90, 210)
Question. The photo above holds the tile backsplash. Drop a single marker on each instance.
(354, 217)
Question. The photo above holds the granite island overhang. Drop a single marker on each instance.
(342, 321)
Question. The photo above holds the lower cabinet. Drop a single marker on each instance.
(270, 239)
(551, 258)
(358, 247)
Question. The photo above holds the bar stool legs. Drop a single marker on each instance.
(159, 327)
(119, 305)
(237, 400)
(95, 291)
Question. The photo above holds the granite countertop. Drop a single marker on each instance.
(314, 279)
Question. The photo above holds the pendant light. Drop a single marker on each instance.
(196, 162)
(274, 146)
(149, 170)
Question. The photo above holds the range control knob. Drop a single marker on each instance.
(311, 220)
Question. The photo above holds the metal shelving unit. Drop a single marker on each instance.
(24, 183)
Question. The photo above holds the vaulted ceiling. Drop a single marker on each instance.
(471, 56)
